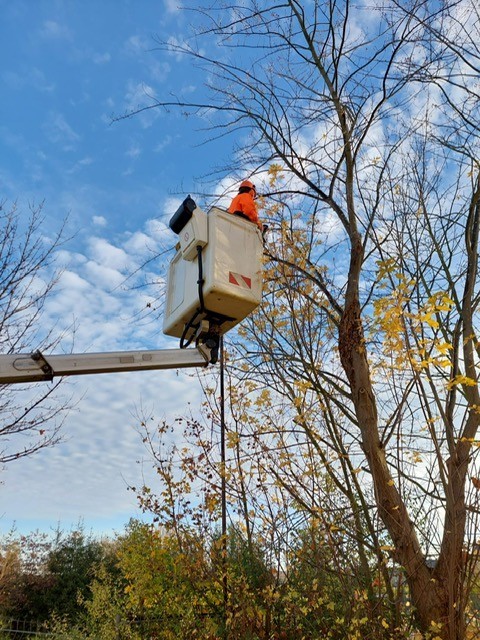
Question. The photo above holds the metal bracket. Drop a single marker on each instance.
(38, 357)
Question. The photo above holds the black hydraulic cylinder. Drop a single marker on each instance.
(182, 215)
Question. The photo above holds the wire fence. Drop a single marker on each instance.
(11, 629)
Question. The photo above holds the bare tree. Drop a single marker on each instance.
(30, 417)
(366, 119)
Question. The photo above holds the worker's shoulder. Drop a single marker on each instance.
(246, 198)
(235, 203)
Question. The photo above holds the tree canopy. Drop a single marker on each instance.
(362, 123)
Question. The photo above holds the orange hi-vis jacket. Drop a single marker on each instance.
(244, 205)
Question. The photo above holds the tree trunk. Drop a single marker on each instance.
(431, 589)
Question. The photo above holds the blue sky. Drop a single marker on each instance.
(65, 68)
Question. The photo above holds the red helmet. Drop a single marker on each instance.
(246, 184)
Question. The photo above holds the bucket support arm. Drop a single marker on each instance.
(37, 367)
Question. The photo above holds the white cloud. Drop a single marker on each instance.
(64, 259)
(133, 151)
(172, 6)
(159, 71)
(77, 166)
(87, 475)
(158, 230)
(99, 221)
(139, 243)
(176, 47)
(167, 140)
(170, 205)
(55, 30)
(101, 58)
(32, 77)
(98, 292)
(107, 254)
(330, 227)
(137, 44)
(141, 47)
(59, 131)
(225, 190)
(140, 96)
(71, 281)
(103, 276)
(189, 88)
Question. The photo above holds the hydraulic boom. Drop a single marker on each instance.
(37, 367)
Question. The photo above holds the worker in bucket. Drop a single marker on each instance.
(243, 204)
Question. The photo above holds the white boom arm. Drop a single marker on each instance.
(37, 367)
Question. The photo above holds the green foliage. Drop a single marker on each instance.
(25, 582)
(173, 588)
(246, 560)
(70, 565)
(165, 585)
(152, 583)
(105, 607)
(44, 577)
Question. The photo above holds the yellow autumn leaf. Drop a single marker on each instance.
(427, 317)
(462, 380)
(435, 626)
(445, 304)
(444, 363)
(385, 267)
(233, 439)
(443, 347)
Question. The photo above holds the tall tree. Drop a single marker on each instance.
(367, 117)
(30, 419)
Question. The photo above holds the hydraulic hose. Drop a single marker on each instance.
(191, 323)
(200, 280)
